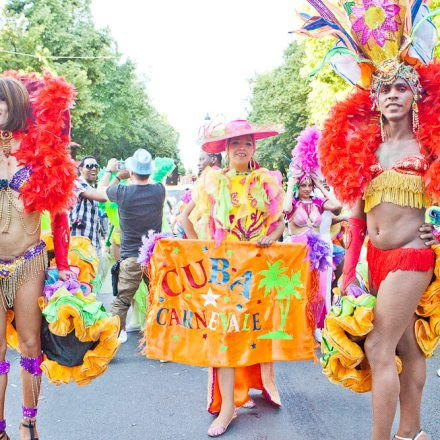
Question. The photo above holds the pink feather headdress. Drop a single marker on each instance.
(304, 161)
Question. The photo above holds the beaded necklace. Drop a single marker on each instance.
(6, 193)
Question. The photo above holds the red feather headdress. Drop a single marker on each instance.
(351, 135)
(44, 145)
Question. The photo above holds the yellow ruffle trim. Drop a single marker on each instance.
(397, 188)
(82, 254)
(95, 361)
(344, 361)
(427, 327)
(11, 333)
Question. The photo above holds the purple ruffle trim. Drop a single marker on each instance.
(4, 368)
(72, 285)
(148, 243)
(354, 290)
(29, 413)
(32, 365)
(2, 425)
(318, 252)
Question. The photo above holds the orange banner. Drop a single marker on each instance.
(231, 306)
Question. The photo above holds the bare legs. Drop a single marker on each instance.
(4, 369)
(226, 381)
(412, 380)
(28, 323)
(397, 300)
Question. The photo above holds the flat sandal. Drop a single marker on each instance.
(30, 426)
(398, 437)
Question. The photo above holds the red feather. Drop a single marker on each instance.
(351, 135)
(44, 145)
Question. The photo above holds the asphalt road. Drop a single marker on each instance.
(142, 399)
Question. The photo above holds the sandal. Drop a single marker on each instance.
(398, 437)
(249, 404)
(30, 425)
(217, 431)
(4, 436)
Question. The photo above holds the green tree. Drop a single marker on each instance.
(435, 4)
(326, 87)
(280, 96)
(113, 115)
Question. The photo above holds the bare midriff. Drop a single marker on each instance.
(391, 226)
(296, 230)
(16, 240)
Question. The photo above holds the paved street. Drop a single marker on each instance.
(142, 399)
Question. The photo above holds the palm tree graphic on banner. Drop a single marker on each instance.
(285, 287)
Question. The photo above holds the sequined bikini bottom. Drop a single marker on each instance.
(14, 273)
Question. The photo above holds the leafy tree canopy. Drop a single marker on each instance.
(113, 115)
(280, 96)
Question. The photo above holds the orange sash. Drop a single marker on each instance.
(230, 306)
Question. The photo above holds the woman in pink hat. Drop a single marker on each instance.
(223, 208)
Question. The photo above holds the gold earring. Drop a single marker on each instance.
(382, 129)
(5, 142)
(415, 117)
(252, 164)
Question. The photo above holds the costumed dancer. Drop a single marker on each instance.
(304, 211)
(380, 152)
(36, 174)
(240, 202)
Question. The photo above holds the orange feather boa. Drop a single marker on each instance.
(44, 145)
(351, 135)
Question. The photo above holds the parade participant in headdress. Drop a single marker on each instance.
(36, 174)
(247, 207)
(303, 209)
(380, 152)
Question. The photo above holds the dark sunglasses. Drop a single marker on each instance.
(90, 166)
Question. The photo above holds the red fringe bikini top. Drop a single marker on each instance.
(402, 184)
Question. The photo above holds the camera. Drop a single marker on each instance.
(121, 165)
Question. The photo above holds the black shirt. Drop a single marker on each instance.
(140, 209)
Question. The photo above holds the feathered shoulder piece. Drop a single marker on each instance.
(351, 135)
(44, 145)
(429, 129)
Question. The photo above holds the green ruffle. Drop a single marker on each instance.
(90, 311)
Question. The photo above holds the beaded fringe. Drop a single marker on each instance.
(397, 188)
(27, 270)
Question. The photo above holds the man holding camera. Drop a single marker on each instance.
(140, 206)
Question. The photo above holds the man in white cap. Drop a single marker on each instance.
(140, 206)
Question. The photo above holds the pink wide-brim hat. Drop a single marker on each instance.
(216, 140)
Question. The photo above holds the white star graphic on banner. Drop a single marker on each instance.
(210, 298)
